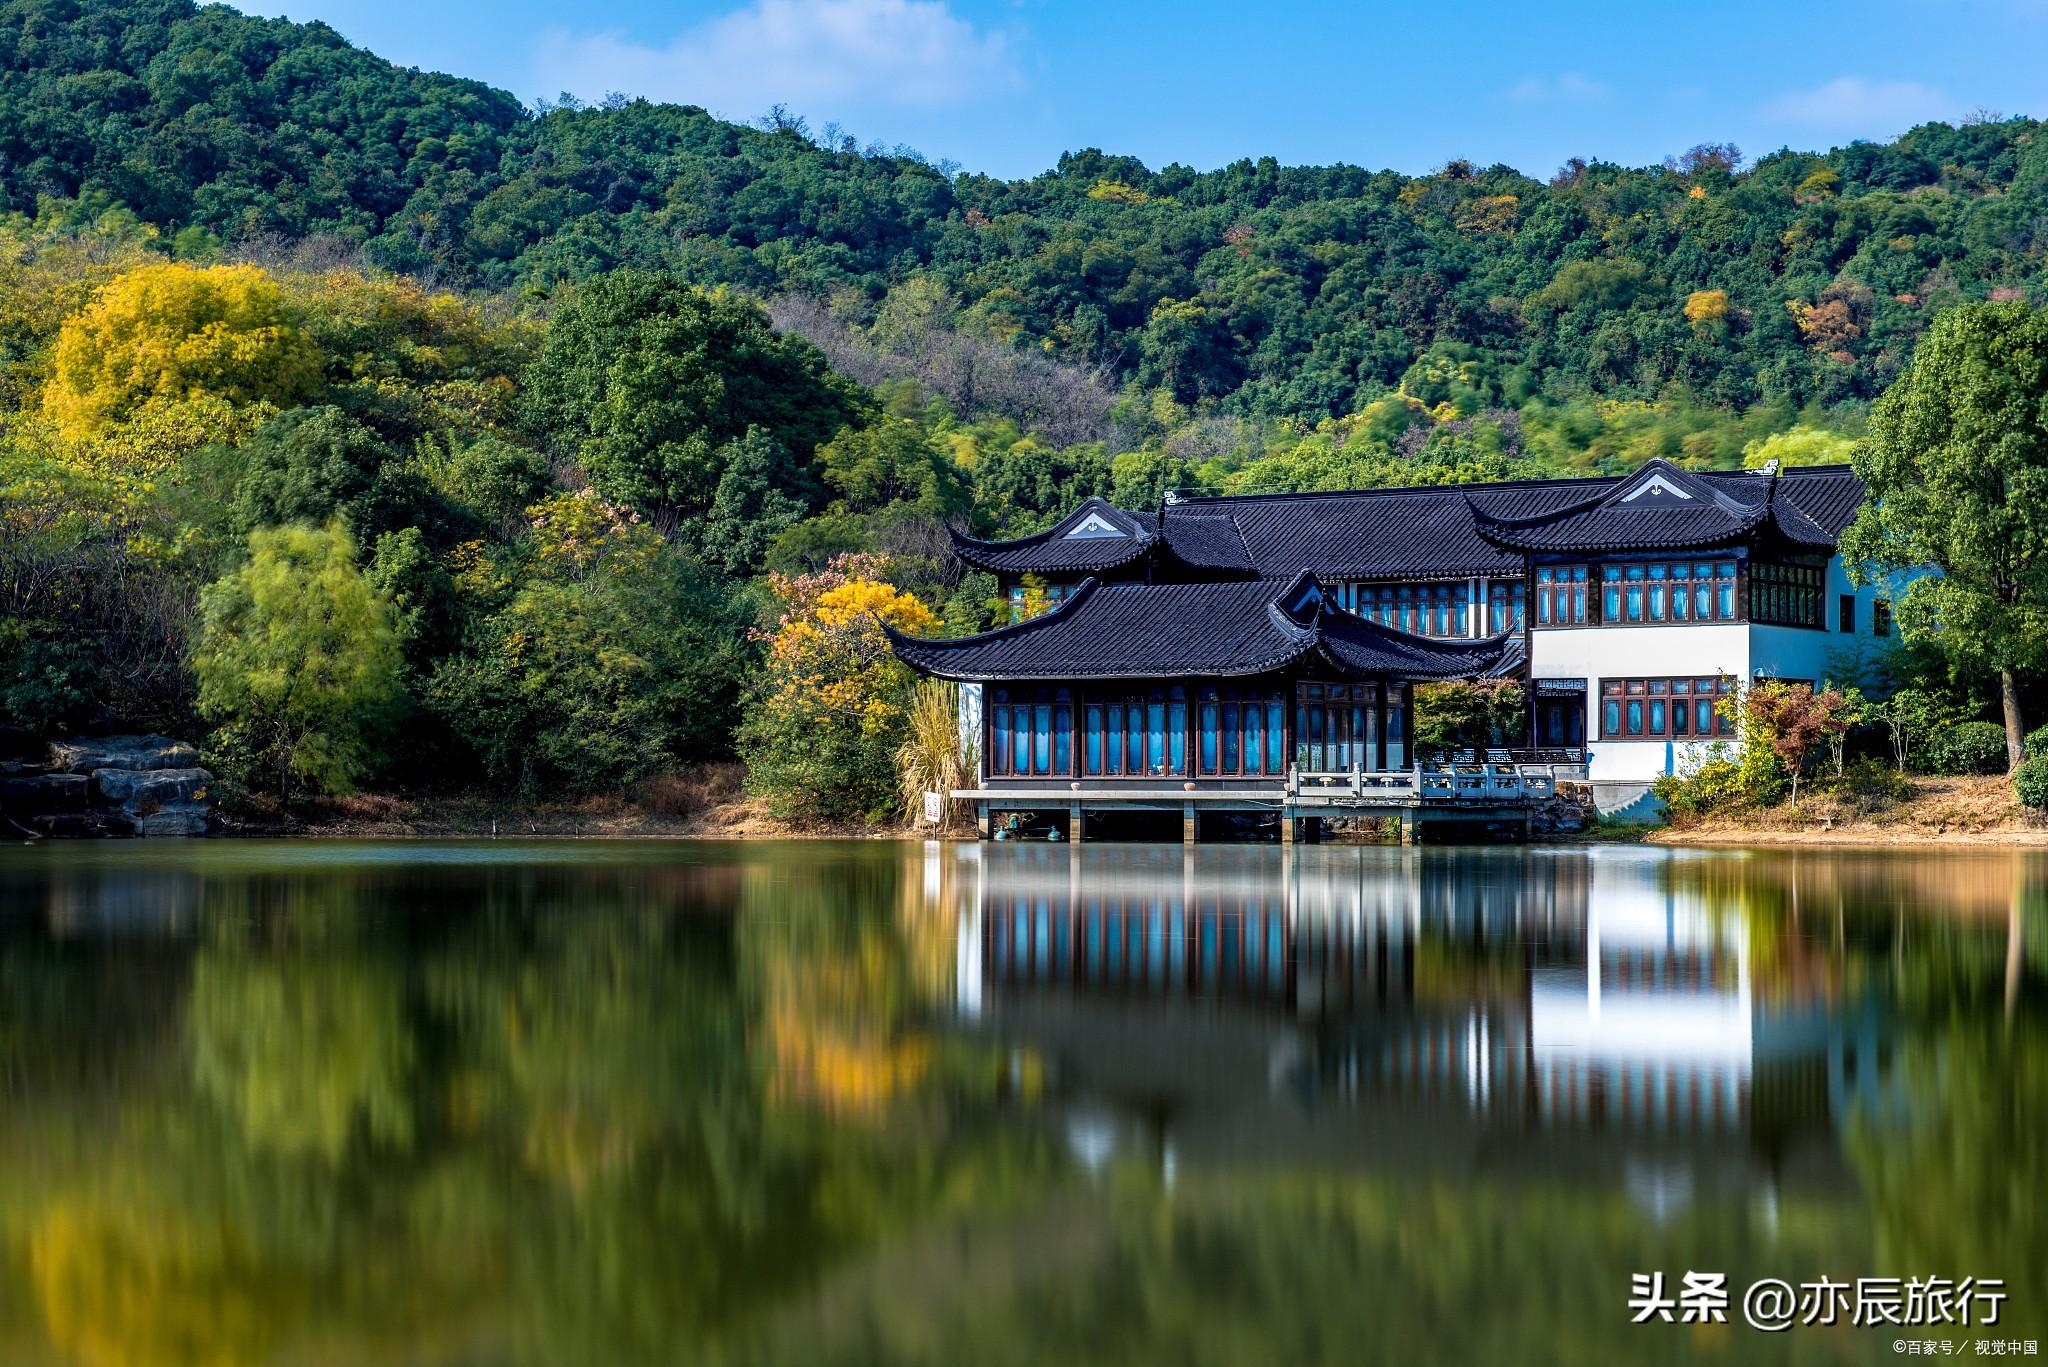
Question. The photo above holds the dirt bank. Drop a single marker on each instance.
(1934, 811)
(706, 805)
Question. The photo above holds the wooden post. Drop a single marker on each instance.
(1287, 825)
(1074, 823)
(1187, 823)
(1407, 825)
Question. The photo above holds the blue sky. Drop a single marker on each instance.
(1004, 86)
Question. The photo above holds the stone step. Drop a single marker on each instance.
(87, 754)
(134, 788)
(34, 795)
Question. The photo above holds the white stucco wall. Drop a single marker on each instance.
(1636, 652)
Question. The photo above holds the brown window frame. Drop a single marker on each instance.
(1671, 692)
(1565, 598)
(1723, 583)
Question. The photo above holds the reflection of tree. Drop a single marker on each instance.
(518, 1113)
(1958, 1176)
(306, 1054)
(122, 1288)
(1226, 1269)
(840, 988)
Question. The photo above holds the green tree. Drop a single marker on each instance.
(600, 655)
(645, 379)
(752, 506)
(894, 461)
(313, 464)
(1956, 462)
(297, 659)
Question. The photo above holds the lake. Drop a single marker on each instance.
(649, 1102)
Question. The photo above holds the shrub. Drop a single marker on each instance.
(1714, 784)
(2030, 781)
(2035, 745)
(1973, 747)
(46, 679)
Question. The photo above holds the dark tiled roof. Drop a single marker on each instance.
(1123, 631)
(1205, 540)
(1435, 531)
(1057, 550)
(1828, 494)
(1376, 533)
(1659, 507)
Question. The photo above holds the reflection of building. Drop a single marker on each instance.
(1376, 1004)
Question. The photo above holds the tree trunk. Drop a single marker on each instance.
(2015, 730)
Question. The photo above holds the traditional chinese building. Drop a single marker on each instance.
(1222, 647)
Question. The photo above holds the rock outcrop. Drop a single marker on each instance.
(105, 785)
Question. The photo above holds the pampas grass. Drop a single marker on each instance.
(929, 760)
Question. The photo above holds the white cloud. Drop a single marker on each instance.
(1571, 85)
(808, 54)
(1857, 104)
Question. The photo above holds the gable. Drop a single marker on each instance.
(1656, 489)
(1094, 527)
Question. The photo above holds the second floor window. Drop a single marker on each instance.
(1663, 591)
(1423, 609)
(1050, 596)
(1785, 594)
(1561, 595)
(1504, 604)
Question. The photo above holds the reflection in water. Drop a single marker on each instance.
(1584, 1011)
(591, 1103)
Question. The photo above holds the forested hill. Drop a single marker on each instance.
(1264, 290)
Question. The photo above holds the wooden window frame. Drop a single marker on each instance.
(1647, 709)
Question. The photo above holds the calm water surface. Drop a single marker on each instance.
(615, 1103)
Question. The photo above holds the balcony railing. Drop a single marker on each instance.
(1502, 776)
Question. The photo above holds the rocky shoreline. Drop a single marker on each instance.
(103, 786)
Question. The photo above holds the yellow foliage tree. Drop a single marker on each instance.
(836, 656)
(216, 341)
(1706, 306)
(1117, 192)
(830, 711)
